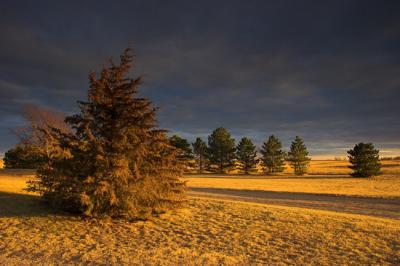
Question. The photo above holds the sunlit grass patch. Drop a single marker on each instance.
(206, 232)
(382, 186)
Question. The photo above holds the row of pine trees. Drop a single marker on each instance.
(221, 154)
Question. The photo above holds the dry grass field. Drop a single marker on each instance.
(206, 232)
(381, 187)
(330, 167)
(325, 177)
(333, 167)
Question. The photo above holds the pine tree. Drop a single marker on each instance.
(273, 158)
(246, 154)
(364, 159)
(185, 154)
(298, 156)
(200, 151)
(221, 148)
(116, 162)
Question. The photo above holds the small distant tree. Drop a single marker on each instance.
(184, 150)
(38, 118)
(116, 162)
(33, 146)
(298, 156)
(221, 148)
(23, 157)
(273, 157)
(364, 159)
(200, 152)
(246, 155)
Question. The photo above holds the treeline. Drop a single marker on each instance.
(220, 154)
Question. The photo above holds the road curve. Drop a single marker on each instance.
(380, 207)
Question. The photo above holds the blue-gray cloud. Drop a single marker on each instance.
(328, 71)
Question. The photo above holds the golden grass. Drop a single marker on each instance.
(333, 167)
(383, 186)
(207, 232)
(325, 177)
(330, 167)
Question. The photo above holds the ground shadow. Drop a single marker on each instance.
(22, 205)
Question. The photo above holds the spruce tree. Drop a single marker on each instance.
(246, 155)
(298, 156)
(200, 151)
(364, 159)
(273, 157)
(221, 148)
(115, 162)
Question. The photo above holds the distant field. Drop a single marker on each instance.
(325, 177)
(207, 232)
(382, 186)
(330, 167)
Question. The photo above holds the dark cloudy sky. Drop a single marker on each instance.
(328, 71)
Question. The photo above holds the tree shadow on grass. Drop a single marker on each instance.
(22, 205)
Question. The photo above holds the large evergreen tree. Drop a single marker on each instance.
(364, 159)
(200, 151)
(273, 157)
(246, 155)
(116, 162)
(298, 156)
(221, 148)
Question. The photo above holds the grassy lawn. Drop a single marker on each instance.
(332, 167)
(383, 186)
(325, 177)
(207, 232)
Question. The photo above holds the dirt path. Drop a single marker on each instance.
(388, 208)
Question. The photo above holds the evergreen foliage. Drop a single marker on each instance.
(246, 155)
(200, 151)
(364, 159)
(115, 162)
(221, 148)
(184, 150)
(298, 156)
(23, 157)
(273, 157)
